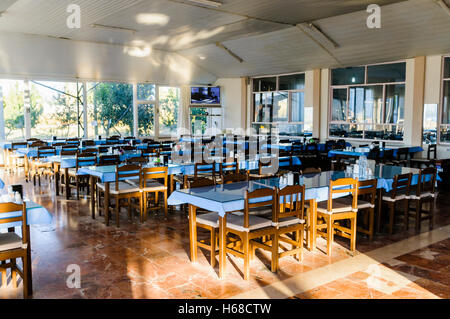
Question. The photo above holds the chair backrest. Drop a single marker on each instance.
(86, 159)
(374, 154)
(264, 163)
(402, 153)
(259, 198)
(311, 171)
(88, 143)
(200, 182)
(73, 141)
(128, 171)
(388, 155)
(329, 145)
(291, 202)
(151, 151)
(38, 144)
(205, 168)
(340, 144)
(69, 147)
(45, 151)
(68, 153)
(343, 186)
(102, 149)
(432, 148)
(285, 160)
(137, 160)
(129, 148)
(229, 167)
(234, 178)
(129, 138)
(58, 144)
(159, 172)
(427, 181)
(368, 190)
(401, 184)
(7, 208)
(33, 139)
(17, 145)
(108, 160)
(90, 150)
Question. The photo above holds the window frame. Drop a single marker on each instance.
(274, 125)
(365, 84)
(441, 103)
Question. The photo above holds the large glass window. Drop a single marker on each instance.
(11, 93)
(146, 119)
(110, 108)
(169, 102)
(282, 108)
(430, 123)
(368, 111)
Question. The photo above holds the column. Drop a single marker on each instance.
(27, 108)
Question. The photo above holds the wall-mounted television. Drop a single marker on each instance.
(205, 95)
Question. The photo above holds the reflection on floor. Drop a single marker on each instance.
(152, 260)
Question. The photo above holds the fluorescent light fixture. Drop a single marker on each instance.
(201, 57)
(210, 3)
(113, 28)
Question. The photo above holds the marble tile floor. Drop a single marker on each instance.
(152, 260)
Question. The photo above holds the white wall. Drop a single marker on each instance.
(232, 108)
(39, 57)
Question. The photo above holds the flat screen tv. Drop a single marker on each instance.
(205, 95)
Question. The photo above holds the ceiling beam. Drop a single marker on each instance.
(234, 55)
(444, 6)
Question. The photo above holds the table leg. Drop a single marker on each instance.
(57, 177)
(106, 205)
(30, 275)
(66, 173)
(193, 232)
(222, 245)
(92, 183)
(312, 224)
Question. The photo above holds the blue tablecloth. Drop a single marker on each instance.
(2, 184)
(36, 215)
(365, 151)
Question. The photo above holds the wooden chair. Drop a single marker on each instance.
(68, 153)
(261, 172)
(311, 171)
(367, 192)
(105, 160)
(388, 157)
(289, 222)
(41, 167)
(248, 228)
(87, 143)
(233, 178)
(204, 169)
(429, 161)
(400, 193)
(338, 209)
(91, 150)
(81, 180)
(402, 158)
(123, 190)
(73, 141)
(12, 246)
(208, 221)
(151, 185)
(423, 192)
(227, 167)
(142, 160)
(17, 160)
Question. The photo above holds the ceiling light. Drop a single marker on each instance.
(113, 28)
(210, 3)
(201, 57)
(152, 19)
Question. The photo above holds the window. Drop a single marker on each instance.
(110, 108)
(360, 109)
(445, 103)
(11, 92)
(278, 105)
(169, 102)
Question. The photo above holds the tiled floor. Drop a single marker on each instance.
(152, 260)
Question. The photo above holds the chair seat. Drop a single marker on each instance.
(413, 195)
(73, 172)
(289, 221)
(236, 222)
(9, 241)
(265, 211)
(396, 198)
(153, 185)
(339, 206)
(422, 160)
(362, 204)
(210, 219)
(124, 188)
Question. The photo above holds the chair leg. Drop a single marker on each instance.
(391, 218)
(145, 205)
(353, 234)
(13, 273)
(141, 209)
(406, 214)
(431, 214)
(275, 255)
(371, 223)
(329, 222)
(117, 210)
(4, 278)
(213, 247)
(77, 182)
(165, 203)
(300, 255)
(246, 244)
(25, 262)
(418, 215)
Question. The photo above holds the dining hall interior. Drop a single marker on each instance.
(214, 149)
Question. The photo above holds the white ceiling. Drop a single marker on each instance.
(261, 32)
